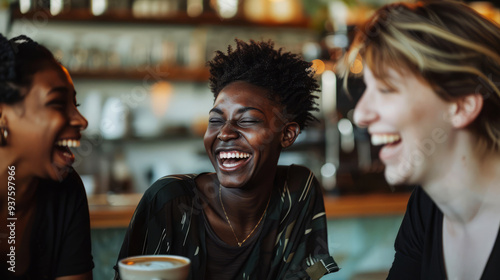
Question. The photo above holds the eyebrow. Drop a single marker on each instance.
(240, 111)
(59, 90)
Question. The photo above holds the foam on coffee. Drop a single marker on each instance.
(147, 267)
(155, 264)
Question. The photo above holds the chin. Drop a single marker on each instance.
(58, 173)
(229, 181)
(394, 176)
(234, 178)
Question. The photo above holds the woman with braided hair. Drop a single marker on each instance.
(250, 219)
(42, 199)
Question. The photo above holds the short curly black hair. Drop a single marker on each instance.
(289, 79)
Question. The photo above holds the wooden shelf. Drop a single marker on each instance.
(172, 73)
(116, 211)
(179, 18)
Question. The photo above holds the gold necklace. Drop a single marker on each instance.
(229, 222)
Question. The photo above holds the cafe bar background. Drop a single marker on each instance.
(139, 69)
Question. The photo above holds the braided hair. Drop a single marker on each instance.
(20, 59)
(287, 77)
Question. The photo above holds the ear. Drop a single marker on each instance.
(290, 132)
(4, 112)
(465, 110)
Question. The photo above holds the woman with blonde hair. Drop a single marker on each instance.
(432, 100)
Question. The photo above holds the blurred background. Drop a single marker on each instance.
(139, 69)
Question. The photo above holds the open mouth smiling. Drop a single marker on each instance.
(391, 145)
(385, 139)
(231, 160)
(62, 147)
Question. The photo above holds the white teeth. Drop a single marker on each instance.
(225, 164)
(68, 143)
(67, 154)
(382, 139)
(226, 155)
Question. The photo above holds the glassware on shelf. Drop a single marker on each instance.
(79, 4)
(26, 6)
(96, 59)
(194, 8)
(57, 6)
(227, 8)
(78, 59)
(278, 11)
(285, 10)
(255, 10)
(155, 8)
(121, 176)
(115, 119)
(118, 7)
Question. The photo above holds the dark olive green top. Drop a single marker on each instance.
(170, 220)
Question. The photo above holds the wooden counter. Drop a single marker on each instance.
(114, 211)
(366, 205)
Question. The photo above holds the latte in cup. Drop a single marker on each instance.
(154, 267)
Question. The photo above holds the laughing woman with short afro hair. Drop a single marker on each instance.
(251, 218)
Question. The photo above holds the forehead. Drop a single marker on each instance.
(52, 74)
(389, 76)
(246, 95)
(45, 80)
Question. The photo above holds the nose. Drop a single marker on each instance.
(364, 112)
(227, 132)
(77, 120)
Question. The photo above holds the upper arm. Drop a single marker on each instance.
(75, 255)
(310, 242)
(147, 232)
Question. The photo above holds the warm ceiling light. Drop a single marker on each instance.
(24, 6)
(285, 10)
(357, 66)
(194, 7)
(227, 8)
(99, 7)
(161, 93)
(56, 7)
(319, 66)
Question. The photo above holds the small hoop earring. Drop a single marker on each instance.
(4, 133)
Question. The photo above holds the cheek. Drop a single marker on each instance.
(266, 140)
(401, 117)
(427, 118)
(33, 143)
(52, 120)
(209, 138)
(206, 143)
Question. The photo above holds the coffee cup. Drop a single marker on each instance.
(154, 267)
